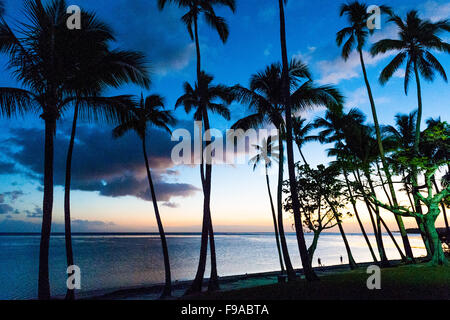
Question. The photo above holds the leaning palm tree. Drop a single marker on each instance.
(150, 112)
(264, 98)
(44, 57)
(190, 19)
(356, 34)
(267, 152)
(98, 67)
(204, 98)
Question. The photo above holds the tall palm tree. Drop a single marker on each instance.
(264, 98)
(150, 112)
(98, 67)
(204, 98)
(190, 19)
(268, 152)
(44, 57)
(357, 33)
(417, 38)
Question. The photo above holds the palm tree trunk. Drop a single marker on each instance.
(351, 261)
(377, 213)
(419, 110)
(70, 295)
(43, 281)
(197, 284)
(402, 256)
(214, 279)
(361, 226)
(287, 259)
(398, 219)
(168, 284)
(381, 251)
(274, 218)
(307, 269)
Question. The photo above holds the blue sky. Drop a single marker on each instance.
(110, 186)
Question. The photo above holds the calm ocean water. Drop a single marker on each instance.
(117, 261)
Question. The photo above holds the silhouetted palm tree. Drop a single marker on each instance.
(44, 57)
(267, 152)
(202, 97)
(150, 113)
(357, 33)
(417, 38)
(97, 68)
(190, 19)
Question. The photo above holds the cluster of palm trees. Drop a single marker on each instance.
(59, 69)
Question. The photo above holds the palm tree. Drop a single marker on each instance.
(264, 99)
(44, 58)
(150, 111)
(417, 38)
(357, 34)
(97, 68)
(190, 19)
(203, 98)
(268, 153)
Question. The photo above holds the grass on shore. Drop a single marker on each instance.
(398, 283)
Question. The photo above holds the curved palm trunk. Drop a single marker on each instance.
(351, 261)
(274, 218)
(207, 231)
(214, 279)
(398, 219)
(168, 284)
(361, 226)
(393, 239)
(43, 281)
(307, 269)
(379, 240)
(287, 259)
(70, 295)
(377, 215)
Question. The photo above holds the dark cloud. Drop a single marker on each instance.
(7, 167)
(6, 209)
(11, 196)
(33, 214)
(112, 167)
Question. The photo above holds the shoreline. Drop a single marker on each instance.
(153, 291)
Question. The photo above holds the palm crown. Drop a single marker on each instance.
(210, 94)
(417, 38)
(204, 7)
(147, 111)
(358, 31)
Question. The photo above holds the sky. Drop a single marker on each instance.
(110, 191)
